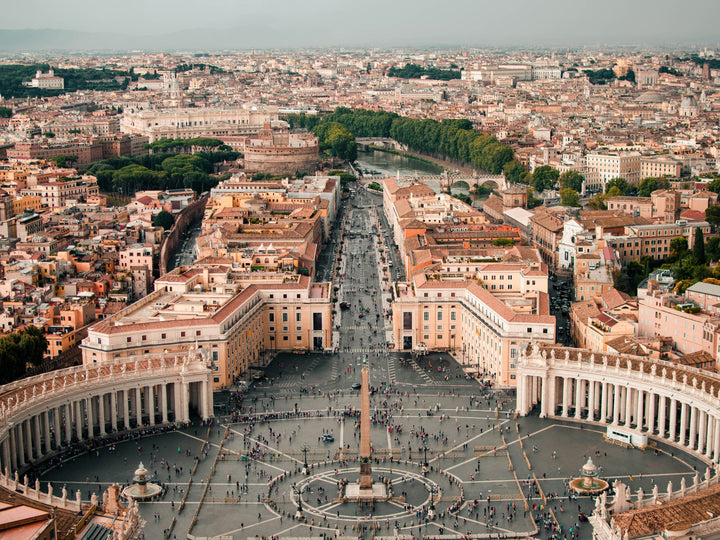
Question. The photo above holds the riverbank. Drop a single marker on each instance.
(408, 155)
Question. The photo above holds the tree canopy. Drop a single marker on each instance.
(5, 112)
(544, 177)
(453, 139)
(569, 197)
(164, 219)
(623, 188)
(650, 184)
(572, 180)
(414, 71)
(336, 138)
(18, 349)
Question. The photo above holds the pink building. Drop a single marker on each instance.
(137, 255)
(681, 318)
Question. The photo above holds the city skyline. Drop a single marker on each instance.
(38, 24)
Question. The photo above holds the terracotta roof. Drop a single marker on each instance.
(677, 514)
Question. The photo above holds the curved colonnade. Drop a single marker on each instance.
(676, 404)
(42, 415)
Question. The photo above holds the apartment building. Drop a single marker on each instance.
(486, 331)
(614, 165)
(659, 166)
(691, 329)
(239, 324)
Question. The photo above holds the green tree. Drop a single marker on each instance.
(49, 135)
(572, 180)
(514, 171)
(18, 349)
(621, 184)
(712, 215)
(714, 186)
(5, 112)
(597, 202)
(164, 219)
(650, 184)
(532, 201)
(569, 197)
(678, 247)
(712, 249)
(544, 177)
(699, 246)
(614, 191)
(463, 197)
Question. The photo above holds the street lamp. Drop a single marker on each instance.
(426, 465)
(306, 468)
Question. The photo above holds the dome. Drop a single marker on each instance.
(650, 97)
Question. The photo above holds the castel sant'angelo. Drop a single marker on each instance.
(275, 150)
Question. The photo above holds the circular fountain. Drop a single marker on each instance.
(141, 490)
(589, 483)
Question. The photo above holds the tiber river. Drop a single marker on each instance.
(389, 164)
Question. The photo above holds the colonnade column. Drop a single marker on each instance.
(661, 415)
(591, 401)
(640, 410)
(702, 425)
(126, 408)
(566, 395)
(616, 404)
(138, 406)
(550, 382)
(716, 443)
(101, 414)
(90, 420)
(27, 428)
(7, 460)
(151, 404)
(46, 425)
(68, 422)
(604, 402)
(78, 419)
(628, 405)
(56, 423)
(114, 411)
(673, 419)
(579, 396)
(163, 402)
(683, 422)
(693, 427)
(711, 426)
(651, 413)
(13, 449)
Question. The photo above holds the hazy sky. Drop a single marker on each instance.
(283, 23)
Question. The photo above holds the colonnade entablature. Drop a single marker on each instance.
(44, 414)
(674, 403)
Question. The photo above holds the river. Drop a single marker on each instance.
(389, 164)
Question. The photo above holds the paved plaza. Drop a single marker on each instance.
(488, 473)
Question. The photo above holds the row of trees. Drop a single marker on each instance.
(414, 71)
(19, 350)
(159, 171)
(451, 139)
(205, 144)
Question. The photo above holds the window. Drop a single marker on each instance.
(439, 336)
(529, 330)
(163, 336)
(182, 334)
(439, 315)
(271, 317)
(285, 338)
(144, 338)
(298, 328)
(129, 340)
(197, 332)
(426, 316)
(271, 329)
(298, 317)
(284, 317)
(407, 320)
(284, 328)
(298, 338)
(453, 316)
(317, 321)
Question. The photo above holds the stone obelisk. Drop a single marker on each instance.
(365, 466)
